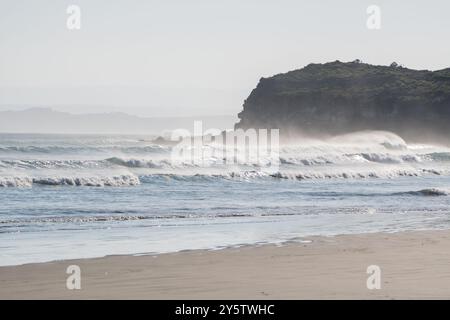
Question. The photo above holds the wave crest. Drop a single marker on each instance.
(95, 181)
(430, 192)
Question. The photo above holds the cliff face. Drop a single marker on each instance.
(338, 97)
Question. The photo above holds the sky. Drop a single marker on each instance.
(197, 57)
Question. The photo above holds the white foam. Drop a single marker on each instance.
(92, 181)
(16, 182)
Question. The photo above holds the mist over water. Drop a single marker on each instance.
(72, 196)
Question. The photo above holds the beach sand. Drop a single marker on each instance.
(413, 265)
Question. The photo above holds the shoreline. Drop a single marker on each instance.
(413, 264)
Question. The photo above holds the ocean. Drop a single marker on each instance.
(82, 196)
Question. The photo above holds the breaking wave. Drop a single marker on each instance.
(244, 175)
(162, 163)
(139, 163)
(95, 181)
(352, 156)
(51, 164)
(251, 175)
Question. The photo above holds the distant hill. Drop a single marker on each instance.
(339, 97)
(45, 120)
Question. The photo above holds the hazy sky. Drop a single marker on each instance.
(193, 57)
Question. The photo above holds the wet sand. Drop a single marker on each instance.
(413, 265)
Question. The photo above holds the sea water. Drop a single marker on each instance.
(68, 196)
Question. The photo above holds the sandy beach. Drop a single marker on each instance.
(413, 265)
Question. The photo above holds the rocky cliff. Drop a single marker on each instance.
(336, 97)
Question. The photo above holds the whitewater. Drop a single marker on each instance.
(79, 196)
